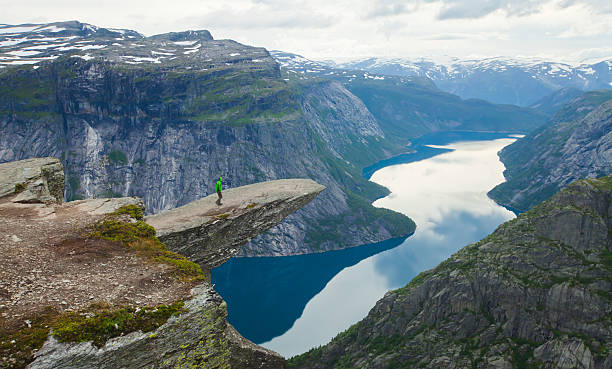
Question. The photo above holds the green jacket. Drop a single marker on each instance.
(219, 185)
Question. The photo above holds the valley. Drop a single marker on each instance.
(278, 303)
(379, 212)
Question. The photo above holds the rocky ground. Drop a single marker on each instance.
(49, 262)
(87, 284)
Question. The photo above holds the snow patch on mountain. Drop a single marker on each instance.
(34, 43)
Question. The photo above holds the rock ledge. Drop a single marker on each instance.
(210, 234)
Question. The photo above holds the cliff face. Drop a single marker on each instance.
(87, 284)
(576, 144)
(162, 117)
(533, 294)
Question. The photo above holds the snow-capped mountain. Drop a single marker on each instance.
(517, 81)
(499, 80)
(36, 43)
(305, 68)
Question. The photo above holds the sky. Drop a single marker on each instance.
(341, 30)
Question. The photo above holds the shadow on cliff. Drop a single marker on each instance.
(260, 315)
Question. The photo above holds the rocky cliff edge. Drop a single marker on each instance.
(88, 284)
(210, 234)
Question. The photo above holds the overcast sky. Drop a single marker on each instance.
(348, 29)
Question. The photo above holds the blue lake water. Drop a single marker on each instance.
(291, 304)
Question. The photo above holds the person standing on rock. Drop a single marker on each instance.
(219, 191)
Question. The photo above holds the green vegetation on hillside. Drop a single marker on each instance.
(581, 106)
(361, 214)
(408, 110)
(239, 99)
(536, 163)
(360, 194)
(27, 95)
(104, 323)
(118, 156)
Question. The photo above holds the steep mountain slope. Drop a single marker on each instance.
(576, 144)
(533, 294)
(549, 104)
(162, 117)
(499, 80)
(412, 105)
(405, 109)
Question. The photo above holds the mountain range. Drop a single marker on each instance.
(409, 106)
(162, 117)
(519, 81)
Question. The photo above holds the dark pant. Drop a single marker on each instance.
(220, 197)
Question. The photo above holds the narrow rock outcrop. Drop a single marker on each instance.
(210, 234)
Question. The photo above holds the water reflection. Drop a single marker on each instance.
(423, 149)
(265, 296)
(444, 194)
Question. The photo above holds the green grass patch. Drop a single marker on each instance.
(140, 238)
(118, 156)
(602, 183)
(345, 362)
(17, 345)
(522, 354)
(416, 281)
(132, 210)
(606, 258)
(109, 323)
(98, 323)
(311, 356)
(20, 187)
(384, 344)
